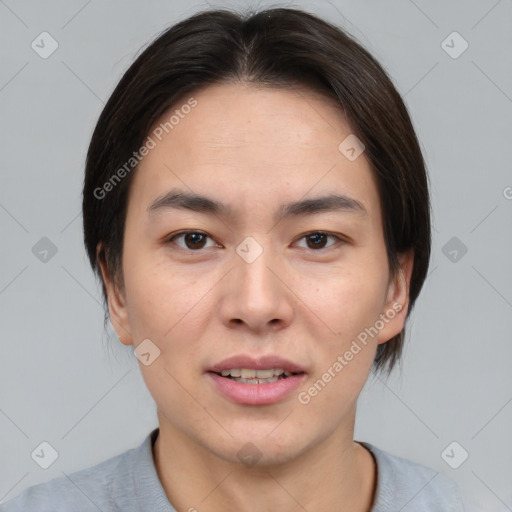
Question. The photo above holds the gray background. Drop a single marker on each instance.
(60, 380)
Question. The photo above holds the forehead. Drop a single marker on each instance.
(243, 144)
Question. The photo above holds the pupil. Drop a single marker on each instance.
(315, 237)
(193, 239)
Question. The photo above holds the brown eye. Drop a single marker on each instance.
(317, 239)
(193, 240)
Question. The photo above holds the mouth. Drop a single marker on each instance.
(252, 376)
(256, 381)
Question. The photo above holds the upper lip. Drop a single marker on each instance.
(256, 363)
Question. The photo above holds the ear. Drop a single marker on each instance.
(116, 300)
(397, 301)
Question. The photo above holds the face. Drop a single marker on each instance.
(251, 284)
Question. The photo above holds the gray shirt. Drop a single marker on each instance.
(129, 482)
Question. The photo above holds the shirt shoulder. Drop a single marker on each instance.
(86, 490)
(411, 487)
(122, 483)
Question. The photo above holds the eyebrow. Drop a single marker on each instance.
(179, 199)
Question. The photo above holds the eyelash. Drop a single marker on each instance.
(326, 233)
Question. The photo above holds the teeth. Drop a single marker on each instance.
(249, 373)
(257, 381)
(264, 374)
(233, 373)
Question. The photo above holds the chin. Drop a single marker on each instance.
(259, 449)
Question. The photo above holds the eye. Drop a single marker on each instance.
(317, 239)
(194, 240)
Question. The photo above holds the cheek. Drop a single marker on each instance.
(165, 303)
(169, 308)
(347, 304)
(349, 300)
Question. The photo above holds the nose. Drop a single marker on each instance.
(256, 296)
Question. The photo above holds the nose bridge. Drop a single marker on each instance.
(255, 256)
(254, 295)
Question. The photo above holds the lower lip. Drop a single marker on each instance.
(257, 394)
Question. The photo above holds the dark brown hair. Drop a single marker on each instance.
(281, 47)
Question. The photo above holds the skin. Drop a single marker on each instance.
(255, 148)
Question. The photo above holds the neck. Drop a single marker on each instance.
(334, 472)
